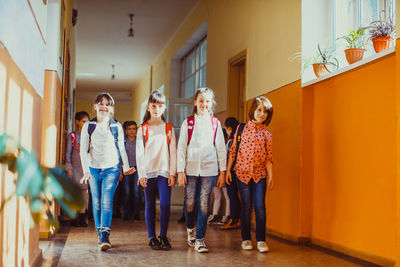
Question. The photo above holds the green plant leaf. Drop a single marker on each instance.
(36, 205)
(52, 186)
(30, 177)
(3, 142)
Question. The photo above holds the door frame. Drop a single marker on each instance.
(233, 63)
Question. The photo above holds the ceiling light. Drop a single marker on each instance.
(131, 31)
(113, 72)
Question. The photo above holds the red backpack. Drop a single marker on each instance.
(168, 132)
(190, 123)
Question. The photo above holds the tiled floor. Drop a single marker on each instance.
(78, 247)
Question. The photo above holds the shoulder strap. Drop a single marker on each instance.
(238, 139)
(190, 125)
(91, 127)
(73, 138)
(145, 132)
(114, 131)
(168, 132)
(214, 126)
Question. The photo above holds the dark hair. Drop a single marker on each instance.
(107, 96)
(80, 115)
(158, 98)
(232, 123)
(128, 123)
(225, 134)
(204, 90)
(266, 103)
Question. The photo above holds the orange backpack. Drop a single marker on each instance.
(168, 132)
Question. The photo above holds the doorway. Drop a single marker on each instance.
(237, 67)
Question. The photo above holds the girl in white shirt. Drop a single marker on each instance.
(201, 161)
(156, 163)
(102, 145)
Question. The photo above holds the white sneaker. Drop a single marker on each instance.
(191, 237)
(246, 245)
(262, 246)
(200, 246)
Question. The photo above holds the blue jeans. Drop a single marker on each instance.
(131, 187)
(253, 193)
(232, 190)
(197, 196)
(103, 185)
(150, 194)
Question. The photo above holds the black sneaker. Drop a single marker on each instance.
(105, 240)
(164, 242)
(99, 233)
(181, 219)
(82, 220)
(154, 244)
(214, 220)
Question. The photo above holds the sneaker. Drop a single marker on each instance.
(105, 240)
(213, 219)
(246, 245)
(82, 220)
(99, 233)
(200, 246)
(231, 224)
(181, 219)
(164, 243)
(223, 221)
(154, 244)
(262, 246)
(191, 237)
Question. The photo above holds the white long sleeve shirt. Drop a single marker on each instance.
(102, 151)
(156, 158)
(201, 157)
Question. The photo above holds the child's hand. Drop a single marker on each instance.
(270, 183)
(221, 180)
(228, 177)
(181, 179)
(70, 174)
(86, 178)
(121, 177)
(130, 171)
(171, 180)
(142, 181)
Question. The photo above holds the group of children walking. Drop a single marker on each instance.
(198, 162)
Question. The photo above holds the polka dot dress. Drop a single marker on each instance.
(255, 153)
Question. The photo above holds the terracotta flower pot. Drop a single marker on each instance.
(381, 43)
(354, 54)
(319, 69)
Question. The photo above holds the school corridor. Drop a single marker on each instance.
(335, 124)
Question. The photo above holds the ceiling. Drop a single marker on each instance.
(102, 40)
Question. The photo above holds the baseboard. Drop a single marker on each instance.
(37, 258)
(332, 247)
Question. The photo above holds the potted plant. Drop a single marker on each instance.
(323, 61)
(381, 32)
(36, 183)
(356, 42)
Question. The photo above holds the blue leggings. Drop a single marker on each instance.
(165, 200)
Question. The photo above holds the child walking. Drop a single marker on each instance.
(102, 146)
(74, 165)
(156, 161)
(201, 160)
(130, 182)
(252, 149)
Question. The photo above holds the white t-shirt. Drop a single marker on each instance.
(102, 153)
(201, 157)
(156, 158)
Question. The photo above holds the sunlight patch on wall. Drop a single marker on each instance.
(27, 113)
(13, 110)
(50, 146)
(3, 82)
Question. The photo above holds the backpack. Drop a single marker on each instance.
(113, 128)
(145, 132)
(73, 138)
(239, 132)
(190, 123)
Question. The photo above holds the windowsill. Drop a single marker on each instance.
(350, 67)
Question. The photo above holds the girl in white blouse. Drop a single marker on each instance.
(156, 163)
(201, 161)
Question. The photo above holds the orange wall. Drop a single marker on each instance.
(354, 158)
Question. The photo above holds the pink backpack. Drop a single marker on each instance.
(190, 123)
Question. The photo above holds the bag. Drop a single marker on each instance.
(145, 132)
(190, 123)
(113, 128)
(238, 133)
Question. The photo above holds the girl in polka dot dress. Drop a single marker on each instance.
(253, 169)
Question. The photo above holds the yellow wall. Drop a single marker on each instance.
(139, 95)
(20, 115)
(232, 26)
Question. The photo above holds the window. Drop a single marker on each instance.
(193, 70)
(335, 18)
